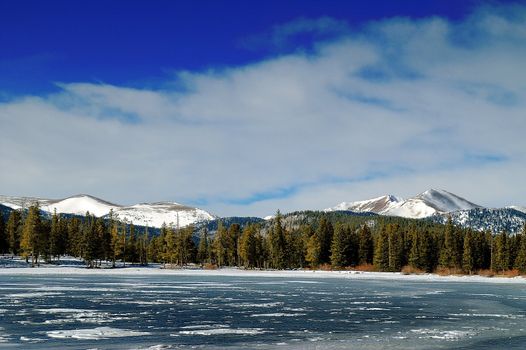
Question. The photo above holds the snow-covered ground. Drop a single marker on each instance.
(156, 269)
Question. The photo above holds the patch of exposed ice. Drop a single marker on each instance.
(260, 305)
(62, 311)
(278, 314)
(217, 330)
(33, 294)
(31, 340)
(510, 316)
(449, 335)
(369, 302)
(94, 333)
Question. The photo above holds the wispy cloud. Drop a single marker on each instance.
(297, 33)
(399, 106)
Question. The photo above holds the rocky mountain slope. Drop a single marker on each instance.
(144, 214)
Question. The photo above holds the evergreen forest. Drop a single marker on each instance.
(295, 241)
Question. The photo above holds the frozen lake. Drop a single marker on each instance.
(185, 311)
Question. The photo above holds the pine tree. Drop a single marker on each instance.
(261, 251)
(277, 244)
(185, 246)
(381, 250)
(232, 237)
(13, 229)
(325, 232)
(520, 260)
(104, 232)
(468, 259)
(103, 239)
(119, 242)
(365, 246)
(500, 256)
(414, 252)
(420, 254)
(31, 231)
(116, 246)
(171, 246)
(395, 247)
(313, 255)
(55, 236)
(142, 247)
(91, 242)
(219, 249)
(203, 251)
(248, 247)
(297, 247)
(449, 254)
(340, 247)
(74, 237)
(4, 242)
(131, 247)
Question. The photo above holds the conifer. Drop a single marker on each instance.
(340, 247)
(203, 250)
(277, 244)
(13, 228)
(365, 246)
(468, 259)
(31, 231)
(381, 250)
(4, 242)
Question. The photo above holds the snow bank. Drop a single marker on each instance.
(302, 274)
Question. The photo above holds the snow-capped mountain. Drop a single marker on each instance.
(145, 214)
(79, 205)
(439, 205)
(155, 214)
(423, 205)
(378, 205)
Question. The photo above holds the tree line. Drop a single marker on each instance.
(382, 245)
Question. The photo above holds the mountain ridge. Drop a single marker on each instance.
(143, 214)
(420, 206)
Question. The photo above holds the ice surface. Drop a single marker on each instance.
(342, 311)
(219, 330)
(32, 294)
(279, 314)
(94, 333)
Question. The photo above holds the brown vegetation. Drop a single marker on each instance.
(410, 270)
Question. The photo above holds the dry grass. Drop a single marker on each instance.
(486, 273)
(365, 267)
(324, 267)
(510, 273)
(209, 266)
(410, 270)
(448, 271)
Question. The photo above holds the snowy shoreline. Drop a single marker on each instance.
(233, 272)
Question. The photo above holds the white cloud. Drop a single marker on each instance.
(399, 107)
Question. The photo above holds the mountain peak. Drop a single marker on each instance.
(444, 201)
(422, 205)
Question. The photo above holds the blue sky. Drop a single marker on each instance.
(139, 43)
(244, 107)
